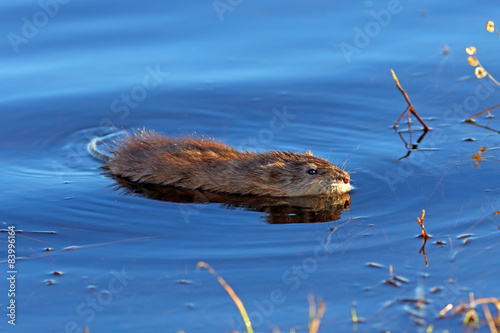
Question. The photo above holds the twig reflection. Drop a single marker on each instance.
(410, 146)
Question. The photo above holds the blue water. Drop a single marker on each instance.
(73, 69)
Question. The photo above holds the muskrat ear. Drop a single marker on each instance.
(309, 153)
(272, 171)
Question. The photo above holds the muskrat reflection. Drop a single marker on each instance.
(278, 210)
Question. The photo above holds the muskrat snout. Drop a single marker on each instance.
(342, 186)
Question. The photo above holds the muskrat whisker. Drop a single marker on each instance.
(348, 157)
(348, 171)
(329, 153)
(344, 164)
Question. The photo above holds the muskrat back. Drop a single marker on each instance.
(206, 164)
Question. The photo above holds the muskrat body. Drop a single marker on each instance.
(206, 164)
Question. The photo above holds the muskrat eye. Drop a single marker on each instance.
(312, 171)
(346, 180)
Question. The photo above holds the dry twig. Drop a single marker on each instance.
(420, 221)
(469, 120)
(315, 315)
(410, 107)
(470, 315)
(231, 293)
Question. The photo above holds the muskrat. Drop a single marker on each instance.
(206, 164)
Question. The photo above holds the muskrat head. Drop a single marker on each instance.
(306, 175)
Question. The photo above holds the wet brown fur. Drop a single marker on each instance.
(201, 163)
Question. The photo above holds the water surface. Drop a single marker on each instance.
(185, 68)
